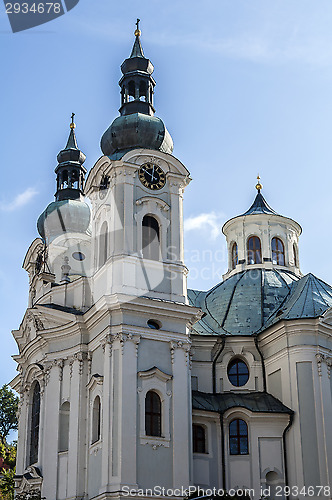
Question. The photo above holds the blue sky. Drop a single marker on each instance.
(243, 87)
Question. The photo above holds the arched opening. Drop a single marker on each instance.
(254, 250)
(64, 427)
(142, 91)
(296, 263)
(152, 414)
(238, 373)
(74, 180)
(131, 90)
(150, 238)
(238, 437)
(199, 440)
(103, 244)
(278, 252)
(235, 258)
(64, 183)
(34, 424)
(96, 420)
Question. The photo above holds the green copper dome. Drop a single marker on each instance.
(66, 216)
(136, 130)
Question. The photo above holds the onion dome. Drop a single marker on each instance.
(65, 216)
(137, 127)
(69, 212)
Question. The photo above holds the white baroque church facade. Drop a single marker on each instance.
(128, 380)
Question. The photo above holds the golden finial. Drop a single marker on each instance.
(72, 125)
(258, 185)
(137, 30)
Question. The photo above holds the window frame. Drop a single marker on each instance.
(153, 417)
(34, 428)
(96, 420)
(276, 251)
(234, 255)
(151, 248)
(238, 436)
(255, 251)
(199, 440)
(233, 362)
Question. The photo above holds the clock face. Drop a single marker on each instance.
(152, 176)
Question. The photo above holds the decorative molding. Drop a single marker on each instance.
(89, 363)
(329, 365)
(125, 337)
(319, 358)
(154, 373)
(180, 345)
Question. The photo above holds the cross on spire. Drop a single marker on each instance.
(137, 30)
(72, 125)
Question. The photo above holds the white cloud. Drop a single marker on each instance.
(19, 201)
(207, 222)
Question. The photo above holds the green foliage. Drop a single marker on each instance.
(8, 412)
(7, 484)
(8, 453)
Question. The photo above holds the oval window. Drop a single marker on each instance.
(78, 256)
(238, 373)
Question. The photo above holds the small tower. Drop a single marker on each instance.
(137, 127)
(70, 171)
(64, 224)
(261, 238)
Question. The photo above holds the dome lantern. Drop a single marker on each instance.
(136, 127)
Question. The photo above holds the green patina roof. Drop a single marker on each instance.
(253, 401)
(250, 301)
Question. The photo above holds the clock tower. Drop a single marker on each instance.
(136, 189)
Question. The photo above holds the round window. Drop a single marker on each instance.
(238, 372)
(78, 256)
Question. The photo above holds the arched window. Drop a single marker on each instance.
(150, 238)
(96, 420)
(295, 255)
(278, 252)
(238, 437)
(34, 424)
(235, 258)
(103, 244)
(238, 372)
(152, 414)
(199, 442)
(64, 426)
(254, 250)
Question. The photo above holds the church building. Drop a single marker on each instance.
(129, 381)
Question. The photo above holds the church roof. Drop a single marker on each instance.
(252, 300)
(253, 401)
(260, 206)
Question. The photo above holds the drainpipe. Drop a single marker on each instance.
(214, 362)
(263, 364)
(291, 418)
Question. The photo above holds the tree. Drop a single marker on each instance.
(8, 412)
